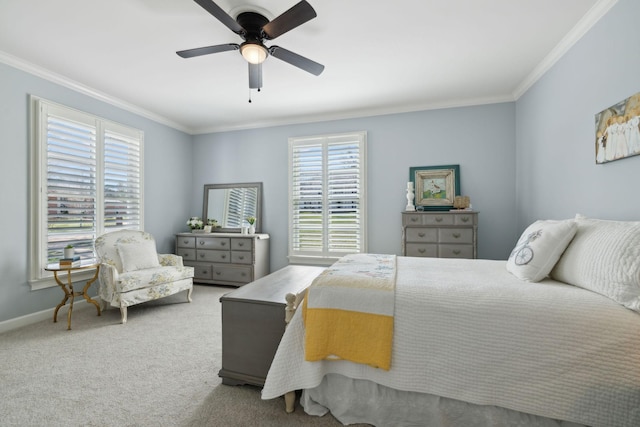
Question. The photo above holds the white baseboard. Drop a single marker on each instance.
(18, 322)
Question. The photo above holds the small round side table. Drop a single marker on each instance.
(67, 288)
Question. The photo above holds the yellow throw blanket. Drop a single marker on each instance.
(348, 311)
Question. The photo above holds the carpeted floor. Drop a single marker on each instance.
(159, 369)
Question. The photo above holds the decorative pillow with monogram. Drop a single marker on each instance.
(539, 248)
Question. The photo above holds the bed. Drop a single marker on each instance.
(550, 337)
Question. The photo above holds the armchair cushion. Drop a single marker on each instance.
(138, 255)
(152, 277)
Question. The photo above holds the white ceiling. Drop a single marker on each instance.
(380, 56)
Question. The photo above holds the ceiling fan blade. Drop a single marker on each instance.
(221, 15)
(199, 51)
(296, 16)
(296, 60)
(255, 76)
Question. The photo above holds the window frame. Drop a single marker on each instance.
(327, 257)
(40, 108)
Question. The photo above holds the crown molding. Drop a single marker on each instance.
(594, 14)
(357, 114)
(48, 75)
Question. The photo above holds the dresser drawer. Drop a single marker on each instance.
(456, 235)
(205, 255)
(241, 257)
(213, 243)
(241, 244)
(186, 242)
(232, 273)
(428, 219)
(455, 251)
(201, 271)
(416, 234)
(187, 254)
(465, 219)
(421, 250)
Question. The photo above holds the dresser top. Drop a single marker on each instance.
(454, 212)
(260, 236)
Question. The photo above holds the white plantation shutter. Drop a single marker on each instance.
(122, 180)
(71, 185)
(86, 180)
(327, 193)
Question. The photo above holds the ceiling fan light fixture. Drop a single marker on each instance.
(254, 53)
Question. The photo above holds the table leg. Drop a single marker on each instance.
(86, 288)
(72, 295)
(66, 295)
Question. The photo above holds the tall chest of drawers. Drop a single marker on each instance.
(225, 258)
(440, 234)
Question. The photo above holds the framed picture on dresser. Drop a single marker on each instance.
(435, 186)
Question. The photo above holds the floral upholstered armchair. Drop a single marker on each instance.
(131, 271)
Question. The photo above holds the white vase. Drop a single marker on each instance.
(69, 252)
(252, 229)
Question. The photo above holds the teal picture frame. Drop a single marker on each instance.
(435, 186)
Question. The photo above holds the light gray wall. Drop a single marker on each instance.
(555, 156)
(480, 139)
(549, 132)
(167, 176)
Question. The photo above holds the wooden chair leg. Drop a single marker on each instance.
(123, 313)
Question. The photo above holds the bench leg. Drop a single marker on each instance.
(290, 401)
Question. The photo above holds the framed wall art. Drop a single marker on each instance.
(618, 130)
(435, 186)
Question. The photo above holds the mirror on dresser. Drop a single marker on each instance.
(231, 204)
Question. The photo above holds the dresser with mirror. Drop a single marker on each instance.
(228, 256)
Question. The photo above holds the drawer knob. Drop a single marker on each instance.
(421, 234)
(223, 243)
(464, 219)
(438, 219)
(223, 256)
(414, 219)
(201, 242)
(421, 251)
(218, 273)
(241, 257)
(185, 241)
(243, 274)
(204, 271)
(201, 255)
(456, 251)
(241, 244)
(456, 235)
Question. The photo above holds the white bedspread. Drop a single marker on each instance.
(469, 330)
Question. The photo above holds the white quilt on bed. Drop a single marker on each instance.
(469, 330)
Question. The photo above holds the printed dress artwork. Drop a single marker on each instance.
(618, 130)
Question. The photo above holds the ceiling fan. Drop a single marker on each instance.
(255, 29)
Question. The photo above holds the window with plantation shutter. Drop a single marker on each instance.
(327, 217)
(86, 180)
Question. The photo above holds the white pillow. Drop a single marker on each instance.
(138, 256)
(539, 248)
(604, 257)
